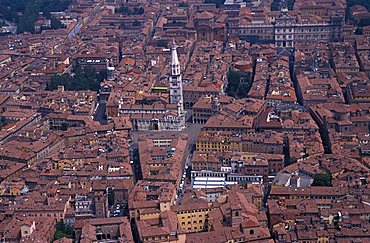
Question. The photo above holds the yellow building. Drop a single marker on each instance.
(148, 214)
(16, 190)
(256, 191)
(192, 214)
(212, 141)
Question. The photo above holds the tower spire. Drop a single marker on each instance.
(175, 64)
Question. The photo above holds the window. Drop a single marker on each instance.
(251, 232)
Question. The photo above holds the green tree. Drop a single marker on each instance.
(60, 234)
(83, 79)
(56, 24)
(322, 179)
(233, 83)
(30, 16)
(29, 11)
(236, 87)
(63, 230)
(243, 90)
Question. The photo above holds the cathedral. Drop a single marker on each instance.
(159, 116)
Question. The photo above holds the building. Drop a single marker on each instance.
(84, 206)
(28, 229)
(288, 29)
(165, 229)
(107, 229)
(320, 220)
(192, 214)
(344, 58)
(359, 91)
(162, 157)
(205, 108)
(208, 27)
(147, 200)
(308, 192)
(250, 164)
(342, 118)
(267, 142)
(157, 116)
(236, 219)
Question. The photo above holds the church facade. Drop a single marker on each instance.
(159, 116)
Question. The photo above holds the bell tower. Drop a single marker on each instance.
(176, 96)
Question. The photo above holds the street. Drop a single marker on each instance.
(100, 114)
(184, 180)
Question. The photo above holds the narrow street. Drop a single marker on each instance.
(187, 169)
(100, 114)
(324, 136)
